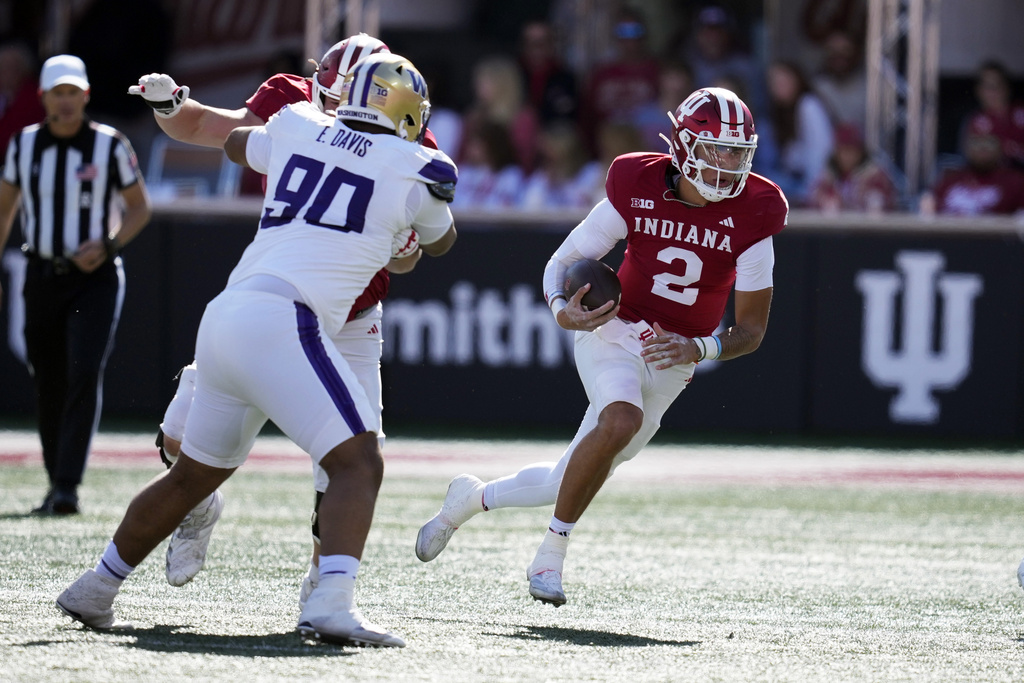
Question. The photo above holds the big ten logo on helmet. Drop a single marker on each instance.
(378, 96)
(476, 326)
(923, 364)
(637, 203)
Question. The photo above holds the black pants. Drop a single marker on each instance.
(70, 320)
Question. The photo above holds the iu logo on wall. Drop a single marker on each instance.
(918, 331)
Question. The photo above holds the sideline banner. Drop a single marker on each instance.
(871, 334)
(917, 336)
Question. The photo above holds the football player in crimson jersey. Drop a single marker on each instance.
(697, 225)
(360, 341)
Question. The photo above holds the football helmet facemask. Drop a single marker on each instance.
(713, 142)
(338, 61)
(387, 90)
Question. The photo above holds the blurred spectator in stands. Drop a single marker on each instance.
(675, 83)
(822, 18)
(20, 105)
(499, 97)
(550, 87)
(999, 112)
(445, 120)
(565, 176)
(985, 185)
(852, 181)
(715, 51)
(613, 140)
(489, 178)
(796, 136)
(629, 81)
(842, 82)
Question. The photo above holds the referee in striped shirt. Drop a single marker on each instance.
(82, 199)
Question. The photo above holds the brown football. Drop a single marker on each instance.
(604, 283)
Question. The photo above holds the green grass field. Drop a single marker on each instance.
(669, 578)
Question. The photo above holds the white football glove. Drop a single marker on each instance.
(161, 93)
(404, 243)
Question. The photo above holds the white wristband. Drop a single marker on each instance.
(557, 302)
(709, 348)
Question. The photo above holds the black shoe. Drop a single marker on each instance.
(46, 507)
(65, 502)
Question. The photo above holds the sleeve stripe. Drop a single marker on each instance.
(438, 171)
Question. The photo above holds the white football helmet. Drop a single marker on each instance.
(387, 90)
(338, 61)
(713, 130)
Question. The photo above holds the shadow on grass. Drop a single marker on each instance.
(177, 639)
(24, 515)
(578, 636)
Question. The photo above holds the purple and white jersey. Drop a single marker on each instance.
(335, 199)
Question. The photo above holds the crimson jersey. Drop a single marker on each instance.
(680, 262)
(278, 92)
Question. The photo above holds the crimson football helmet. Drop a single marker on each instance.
(338, 61)
(386, 90)
(713, 131)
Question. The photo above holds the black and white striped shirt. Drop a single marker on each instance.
(70, 187)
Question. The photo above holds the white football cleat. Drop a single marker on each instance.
(186, 553)
(309, 583)
(331, 616)
(90, 600)
(463, 500)
(546, 587)
(545, 576)
(1020, 574)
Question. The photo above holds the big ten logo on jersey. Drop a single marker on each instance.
(638, 203)
(486, 326)
(923, 364)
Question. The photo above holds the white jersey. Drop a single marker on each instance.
(335, 199)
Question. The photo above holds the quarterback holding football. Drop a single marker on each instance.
(698, 225)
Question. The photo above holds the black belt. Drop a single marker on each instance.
(58, 265)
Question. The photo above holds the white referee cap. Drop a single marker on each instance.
(61, 70)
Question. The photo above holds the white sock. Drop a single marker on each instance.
(339, 567)
(559, 527)
(112, 566)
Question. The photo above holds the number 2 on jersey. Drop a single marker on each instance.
(694, 267)
(349, 192)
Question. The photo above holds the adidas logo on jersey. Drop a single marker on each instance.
(727, 222)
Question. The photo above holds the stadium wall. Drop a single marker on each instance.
(895, 325)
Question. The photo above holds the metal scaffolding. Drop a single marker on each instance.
(903, 83)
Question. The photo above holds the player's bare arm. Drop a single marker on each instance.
(199, 124)
(667, 349)
(406, 264)
(187, 120)
(234, 145)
